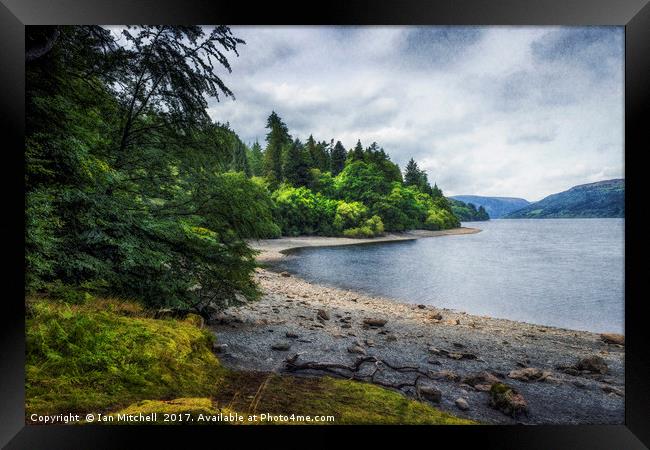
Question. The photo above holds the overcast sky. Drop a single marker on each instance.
(498, 111)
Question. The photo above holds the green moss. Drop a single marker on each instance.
(350, 402)
(106, 354)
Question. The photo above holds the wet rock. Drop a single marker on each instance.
(462, 404)
(433, 361)
(481, 378)
(285, 274)
(323, 314)
(507, 400)
(431, 393)
(421, 306)
(445, 375)
(613, 338)
(291, 335)
(458, 345)
(592, 364)
(612, 390)
(529, 374)
(357, 349)
(346, 325)
(219, 348)
(281, 346)
(374, 322)
(436, 316)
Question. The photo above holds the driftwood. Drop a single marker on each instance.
(352, 372)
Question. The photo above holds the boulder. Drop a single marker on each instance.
(462, 404)
(219, 348)
(285, 274)
(507, 400)
(421, 306)
(323, 314)
(357, 349)
(374, 322)
(593, 364)
(291, 335)
(435, 316)
(431, 393)
(528, 374)
(281, 346)
(481, 378)
(613, 338)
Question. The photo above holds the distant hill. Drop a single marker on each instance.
(495, 206)
(600, 199)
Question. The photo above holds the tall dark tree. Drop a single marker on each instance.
(296, 166)
(169, 71)
(276, 140)
(414, 176)
(256, 159)
(338, 158)
(357, 153)
(240, 159)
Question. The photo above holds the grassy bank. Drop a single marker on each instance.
(111, 356)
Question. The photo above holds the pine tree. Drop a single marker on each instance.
(412, 174)
(276, 139)
(256, 160)
(240, 159)
(357, 153)
(338, 158)
(296, 168)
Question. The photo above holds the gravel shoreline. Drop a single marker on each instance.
(443, 349)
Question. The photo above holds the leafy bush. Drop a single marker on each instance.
(349, 215)
(440, 219)
(371, 228)
(300, 211)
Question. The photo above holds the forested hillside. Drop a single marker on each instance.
(496, 207)
(600, 199)
(467, 212)
(133, 191)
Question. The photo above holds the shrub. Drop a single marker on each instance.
(300, 211)
(371, 228)
(349, 215)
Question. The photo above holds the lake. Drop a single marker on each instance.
(566, 273)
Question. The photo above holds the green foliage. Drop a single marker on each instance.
(322, 182)
(276, 140)
(371, 227)
(467, 212)
(108, 354)
(361, 182)
(338, 158)
(414, 176)
(349, 215)
(296, 165)
(256, 160)
(300, 211)
(124, 187)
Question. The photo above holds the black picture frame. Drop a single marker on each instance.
(633, 14)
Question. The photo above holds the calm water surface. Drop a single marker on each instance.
(567, 273)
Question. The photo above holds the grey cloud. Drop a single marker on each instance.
(512, 111)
